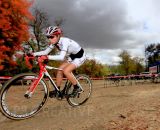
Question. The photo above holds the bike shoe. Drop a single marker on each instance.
(75, 92)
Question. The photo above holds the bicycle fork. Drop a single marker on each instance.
(33, 86)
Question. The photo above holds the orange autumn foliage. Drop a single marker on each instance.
(14, 18)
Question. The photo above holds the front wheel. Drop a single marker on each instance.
(82, 97)
(14, 103)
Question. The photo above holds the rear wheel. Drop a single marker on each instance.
(83, 96)
(15, 104)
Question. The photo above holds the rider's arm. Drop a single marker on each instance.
(45, 52)
(63, 52)
(60, 57)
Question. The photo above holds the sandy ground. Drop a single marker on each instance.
(134, 107)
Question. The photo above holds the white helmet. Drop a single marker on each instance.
(53, 30)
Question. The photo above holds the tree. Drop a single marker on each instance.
(59, 21)
(152, 52)
(13, 29)
(126, 61)
(129, 65)
(38, 24)
(138, 65)
(93, 69)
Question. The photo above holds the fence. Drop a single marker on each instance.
(130, 80)
(114, 80)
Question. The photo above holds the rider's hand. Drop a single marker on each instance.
(30, 54)
(44, 58)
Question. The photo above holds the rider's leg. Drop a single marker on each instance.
(72, 66)
(59, 76)
(59, 79)
(68, 73)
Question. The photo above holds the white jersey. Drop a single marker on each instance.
(66, 47)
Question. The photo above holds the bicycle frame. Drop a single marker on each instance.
(43, 71)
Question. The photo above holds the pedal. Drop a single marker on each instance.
(81, 91)
(59, 96)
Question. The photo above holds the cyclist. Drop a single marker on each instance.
(71, 54)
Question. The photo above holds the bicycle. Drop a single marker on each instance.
(24, 95)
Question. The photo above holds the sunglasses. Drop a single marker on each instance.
(50, 37)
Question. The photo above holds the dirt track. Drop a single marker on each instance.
(112, 108)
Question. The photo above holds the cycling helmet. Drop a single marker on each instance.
(53, 30)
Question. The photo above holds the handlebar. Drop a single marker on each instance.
(30, 58)
(42, 63)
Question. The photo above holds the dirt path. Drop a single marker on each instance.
(112, 108)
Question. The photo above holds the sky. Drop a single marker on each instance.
(106, 27)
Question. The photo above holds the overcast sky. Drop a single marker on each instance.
(105, 27)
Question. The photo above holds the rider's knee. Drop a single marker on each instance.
(66, 72)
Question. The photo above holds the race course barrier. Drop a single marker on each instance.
(114, 80)
(131, 79)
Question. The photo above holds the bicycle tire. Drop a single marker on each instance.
(14, 87)
(81, 78)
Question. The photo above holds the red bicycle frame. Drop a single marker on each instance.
(42, 67)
